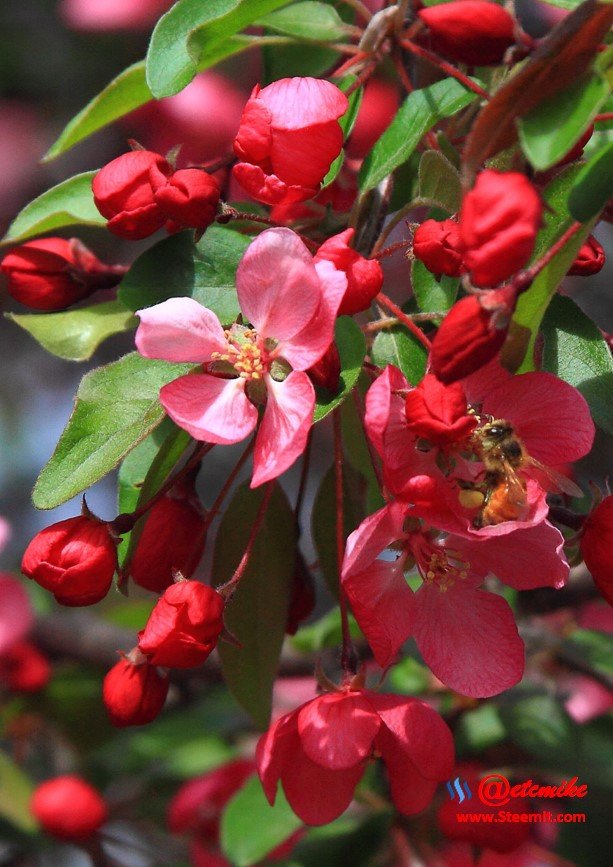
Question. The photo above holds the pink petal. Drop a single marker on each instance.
(337, 729)
(469, 639)
(295, 103)
(211, 409)
(315, 794)
(268, 188)
(385, 410)
(16, 616)
(551, 416)
(374, 535)
(311, 342)
(411, 792)
(278, 287)
(275, 752)
(285, 426)
(484, 380)
(179, 329)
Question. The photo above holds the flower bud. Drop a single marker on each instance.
(597, 544)
(188, 196)
(326, 372)
(69, 808)
(590, 259)
(469, 31)
(499, 221)
(364, 276)
(123, 194)
(438, 413)
(52, 273)
(24, 668)
(134, 691)
(184, 626)
(438, 246)
(73, 559)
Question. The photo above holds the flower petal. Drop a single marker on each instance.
(211, 409)
(295, 103)
(179, 329)
(285, 426)
(411, 792)
(337, 729)
(16, 616)
(315, 794)
(275, 752)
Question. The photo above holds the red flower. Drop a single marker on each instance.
(438, 413)
(320, 752)
(52, 273)
(288, 137)
(326, 372)
(24, 668)
(364, 276)
(377, 110)
(469, 31)
(438, 246)
(499, 221)
(184, 626)
(134, 692)
(172, 540)
(69, 808)
(188, 196)
(596, 546)
(590, 259)
(123, 194)
(73, 559)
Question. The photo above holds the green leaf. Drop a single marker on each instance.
(590, 650)
(548, 132)
(190, 31)
(116, 407)
(540, 726)
(251, 828)
(439, 182)
(15, 793)
(307, 20)
(564, 4)
(284, 61)
(352, 349)
(122, 95)
(76, 334)
(176, 267)
(396, 346)
(409, 677)
(479, 729)
(346, 122)
(431, 295)
(420, 111)
(257, 613)
(67, 204)
(325, 632)
(576, 352)
(593, 186)
(323, 518)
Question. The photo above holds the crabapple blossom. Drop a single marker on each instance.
(69, 808)
(290, 303)
(16, 614)
(596, 540)
(438, 246)
(364, 276)
(589, 260)
(23, 668)
(134, 691)
(320, 750)
(476, 32)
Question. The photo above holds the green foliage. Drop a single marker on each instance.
(539, 725)
(590, 649)
(351, 349)
(439, 182)
(432, 295)
(409, 677)
(306, 20)
(15, 793)
(325, 632)
(176, 267)
(396, 346)
(257, 612)
(592, 188)
(76, 334)
(67, 204)
(117, 406)
(479, 729)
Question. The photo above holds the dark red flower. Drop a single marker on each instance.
(438, 413)
(597, 544)
(438, 246)
(326, 372)
(499, 221)
(590, 259)
(377, 110)
(69, 808)
(73, 559)
(24, 668)
(184, 626)
(188, 196)
(288, 137)
(469, 31)
(134, 691)
(364, 276)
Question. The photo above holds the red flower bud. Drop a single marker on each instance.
(69, 808)
(438, 412)
(288, 137)
(438, 246)
(499, 221)
(123, 194)
(172, 541)
(134, 692)
(24, 668)
(470, 336)
(326, 372)
(73, 559)
(364, 276)
(184, 626)
(597, 544)
(590, 259)
(469, 31)
(577, 151)
(188, 196)
(52, 273)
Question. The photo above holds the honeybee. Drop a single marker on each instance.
(504, 456)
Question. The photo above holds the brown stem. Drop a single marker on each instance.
(393, 248)
(348, 657)
(227, 589)
(214, 510)
(445, 67)
(524, 278)
(406, 320)
(304, 475)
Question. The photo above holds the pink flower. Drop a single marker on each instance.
(320, 752)
(291, 303)
(112, 14)
(16, 615)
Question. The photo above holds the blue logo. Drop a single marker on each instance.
(460, 788)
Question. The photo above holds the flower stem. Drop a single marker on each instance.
(404, 319)
(348, 657)
(393, 248)
(445, 67)
(214, 510)
(304, 475)
(230, 586)
(524, 278)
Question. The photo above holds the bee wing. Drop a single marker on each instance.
(515, 485)
(555, 479)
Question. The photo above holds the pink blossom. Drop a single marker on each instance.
(16, 616)
(112, 14)
(291, 303)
